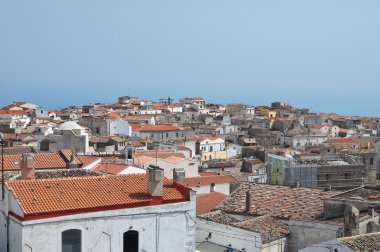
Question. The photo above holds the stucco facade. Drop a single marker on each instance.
(167, 227)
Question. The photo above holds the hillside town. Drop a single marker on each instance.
(187, 175)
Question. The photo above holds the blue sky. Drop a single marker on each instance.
(322, 54)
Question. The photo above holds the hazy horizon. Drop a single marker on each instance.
(323, 55)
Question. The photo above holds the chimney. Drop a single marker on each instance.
(155, 177)
(179, 176)
(27, 166)
(248, 203)
(72, 163)
(371, 211)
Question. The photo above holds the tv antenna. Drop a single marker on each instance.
(167, 101)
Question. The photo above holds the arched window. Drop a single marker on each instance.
(72, 240)
(131, 241)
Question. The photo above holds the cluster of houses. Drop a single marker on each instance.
(139, 175)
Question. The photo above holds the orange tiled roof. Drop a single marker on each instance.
(14, 136)
(68, 153)
(86, 194)
(160, 154)
(13, 112)
(343, 140)
(149, 128)
(110, 168)
(208, 180)
(182, 147)
(137, 144)
(138, 117)
(42, 160)
(87, 160)
(207, 202)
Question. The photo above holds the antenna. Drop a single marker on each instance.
(167, 101)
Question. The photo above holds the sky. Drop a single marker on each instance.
(320, 54)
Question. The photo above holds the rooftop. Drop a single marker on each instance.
(45, 197)
(55, 160)
(219, 217)
(361, 194)
(366, 242)
(269, 228)
(154, 128)
(207, 202)
(208, 180)
(278, 201)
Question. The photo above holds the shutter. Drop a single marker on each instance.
(72, 240)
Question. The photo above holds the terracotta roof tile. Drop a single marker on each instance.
(110, 168)
(155, 128)
(269, 228)
(87, 160)
(65, 195)
(160, 154)
(42, 160)
(207, 202)
(343, 140)
(278, 201)
(366, 242)
(208, 180)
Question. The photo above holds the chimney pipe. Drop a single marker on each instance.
(371, 211)
(155, 177)
(248, 202)
(27, 166)
(179, 176)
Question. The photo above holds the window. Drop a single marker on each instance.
(211, 148)
(167, 134)
(371, 161)
(72, 240)
(131, 241)
(97, 130)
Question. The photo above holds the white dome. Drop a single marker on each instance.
(70, 125)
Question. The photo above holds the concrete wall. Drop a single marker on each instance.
(191, 167)
(205, 189)
(224, 235)
(214, 155)
(303, 234)
(164, 135)
(68, 140)
(120, 127)
(329, 246)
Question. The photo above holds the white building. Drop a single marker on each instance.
(68, 135)
(211, 148)
(299, 142)
(250, 235)
(128, 213)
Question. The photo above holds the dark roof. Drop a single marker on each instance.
(278, 201)
(269, 228)
(366, 242)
